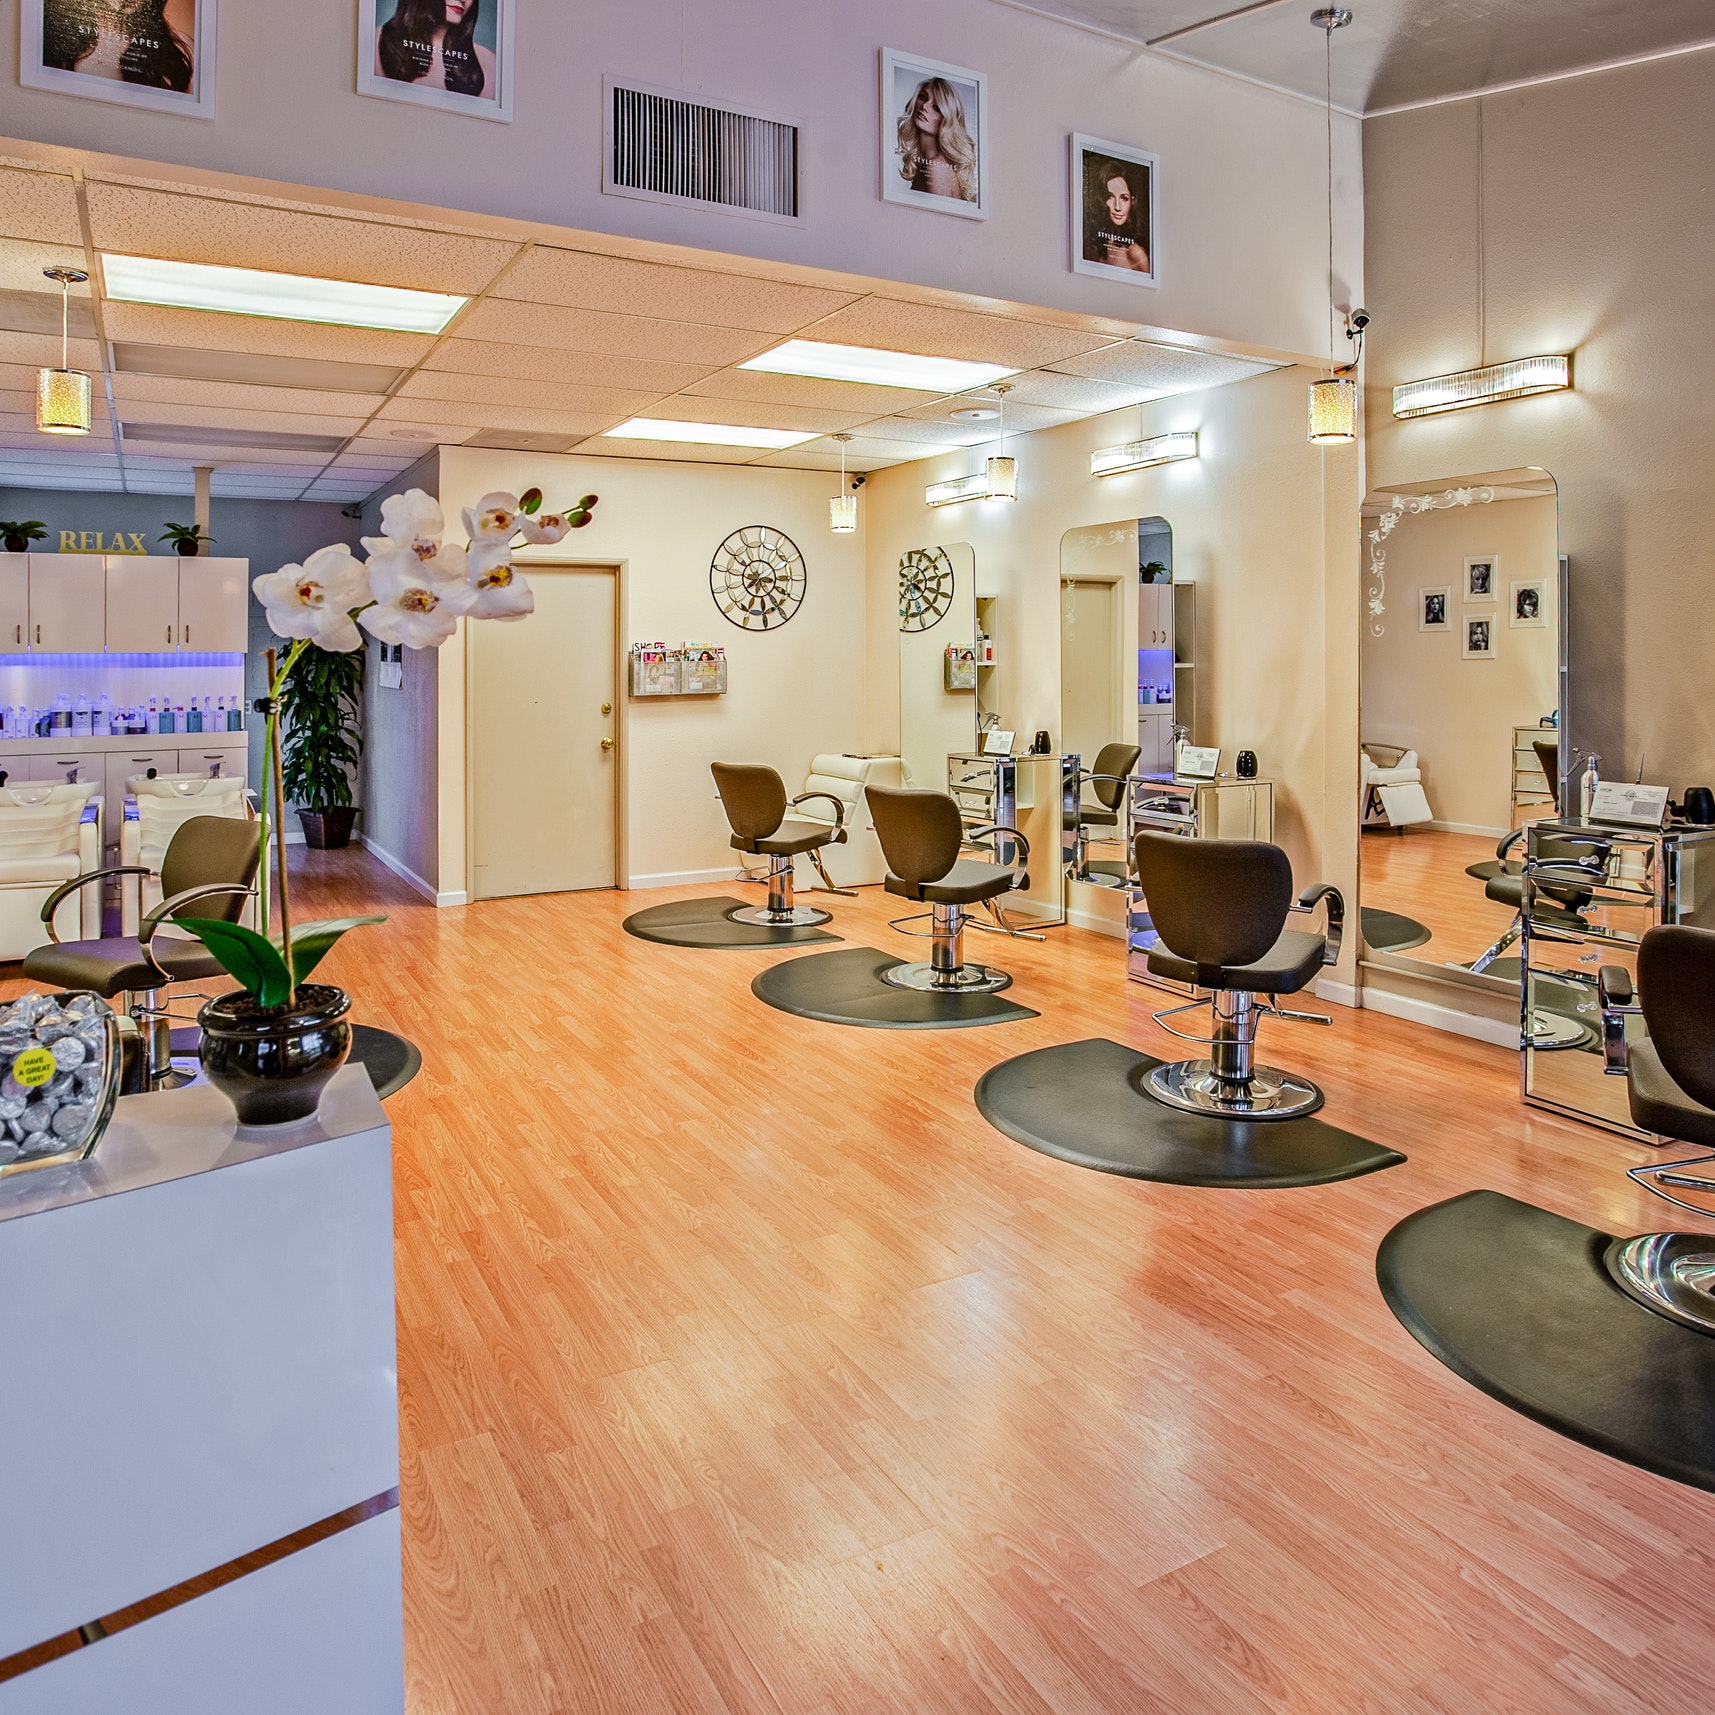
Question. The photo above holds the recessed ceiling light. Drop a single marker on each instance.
(864, 363)
(977, 414)
(413, 435)
(706, 434)
(289, 297)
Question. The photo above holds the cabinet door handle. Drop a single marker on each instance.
(38, 634)
(169, 634)
(187, 635)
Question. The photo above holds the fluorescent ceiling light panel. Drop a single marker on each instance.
(708, 434)
(1518, 379)
(288, 297)
(1137, 455)
(864, 363)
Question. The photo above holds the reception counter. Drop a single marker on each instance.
(199, 1496)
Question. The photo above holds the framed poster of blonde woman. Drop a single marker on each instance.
(934, 135)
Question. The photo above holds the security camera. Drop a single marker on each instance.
(858, 482)
(1358, 320)
(351, 511)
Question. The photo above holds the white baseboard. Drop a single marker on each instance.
(1341, 994)
(445, 899)
(1468, 828)
(1099, 922)
(409, 875)
(1448, 1018)
(685, 877)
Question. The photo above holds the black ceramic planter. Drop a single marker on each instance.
(188, 549)
(17, 545)
(328, 829)
(272, 1063)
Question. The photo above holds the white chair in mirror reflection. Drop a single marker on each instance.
(857, 863)
(49, 833)
(155, 807)
(1392, 784)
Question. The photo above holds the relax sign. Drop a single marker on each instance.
(94, 542)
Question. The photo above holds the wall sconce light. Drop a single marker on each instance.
(842, 509)
(997, 480)
(62, 395)
(1518, 379)
(972, 487)
(1139, 455)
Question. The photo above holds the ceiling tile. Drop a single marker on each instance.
(548, 325)
(572, 368)
(22, 262)
(182, 227)
(694, 408)
(41, 206)
(510, 390)
(221, 417)
(930, 434)
(441, 431)
(1020, 419)
(855, 396)
(665, 452)
(210, 330)
(253, 369)
(1164, 369)
(1072, 393)
(216, 395)
(931, 331)
(510, 416)
(577, 279)
(873, 447)
(35, 350)
(797, 458)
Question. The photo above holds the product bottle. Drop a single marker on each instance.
(167, 722)
(154, 714)
(82, 719)
(1587, 787)
(193, 717)
(235, 716)
(62, 713)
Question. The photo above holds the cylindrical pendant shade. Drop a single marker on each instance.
(1333, 411)
(62, 402)
(842, 514)
(1002, 479)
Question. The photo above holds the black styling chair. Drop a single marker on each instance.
(207, 870)
(1107, 780)
(1220, 908)
(921, 835)
(755, 801)
(1559, 902)
(1670, 1089)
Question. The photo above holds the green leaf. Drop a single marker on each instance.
(311, 942)
(253, 959)
(530, 500)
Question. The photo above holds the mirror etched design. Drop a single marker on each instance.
(926, 587)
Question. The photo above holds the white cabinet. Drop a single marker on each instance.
(227, 759)
(1155, 616)
(67, 604)
(214, 606)
(15, 603)
(89, 767)
(142, 603)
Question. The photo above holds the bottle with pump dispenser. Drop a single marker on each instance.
(1587, 784)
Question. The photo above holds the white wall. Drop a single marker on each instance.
(794, 691)
(1242, 218)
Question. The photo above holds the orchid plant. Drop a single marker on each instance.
(413, 589)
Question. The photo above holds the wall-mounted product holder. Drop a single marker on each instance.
(961, 667)
(691, 670)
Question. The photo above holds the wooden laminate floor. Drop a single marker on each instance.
(744, 1368)
(1420, 873)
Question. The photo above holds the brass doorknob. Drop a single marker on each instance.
(607, 708)
(607, 744)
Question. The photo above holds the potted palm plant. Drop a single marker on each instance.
(19, 533)
(323, 742)
(187, 539)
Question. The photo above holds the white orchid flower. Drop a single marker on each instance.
(500, 592)
(495, 517)
(413, 520)
(544, 527)
(315, 600)
(413, 607)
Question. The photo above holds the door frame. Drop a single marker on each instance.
(1122, 714)
(616, 569)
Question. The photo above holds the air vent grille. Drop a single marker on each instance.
(665, 146)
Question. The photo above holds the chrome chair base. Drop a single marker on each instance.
(1672, 1274)
(962, 979)
(793, 917)
(1269, 1094)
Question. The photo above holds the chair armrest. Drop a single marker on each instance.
(52, 903)
(1616, 998)
(997, 828)
(1508, 841)
(838, 804)
(171, 907)
(1326, 892)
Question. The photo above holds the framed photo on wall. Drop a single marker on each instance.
(1482, 578)
(452, 54)
(1527, 605)
(150, 53)
(1435, 609)
(934, 135)
(1113, 211)
(1479, 637)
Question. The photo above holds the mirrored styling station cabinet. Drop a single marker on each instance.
(952, 733)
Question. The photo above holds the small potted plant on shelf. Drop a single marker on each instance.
(19, 533)
(187, 539)
(323, 742)
(273, 1044)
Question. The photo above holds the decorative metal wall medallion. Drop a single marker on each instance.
(925, 588)
(757, 578)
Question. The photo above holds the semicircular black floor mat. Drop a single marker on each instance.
(708, 923)
(1391, 931)
(1515, 1299)
(846, 988)
(1082, 1102)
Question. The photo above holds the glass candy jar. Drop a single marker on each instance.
(59, 1078)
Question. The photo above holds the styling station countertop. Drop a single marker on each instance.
(197, 1340)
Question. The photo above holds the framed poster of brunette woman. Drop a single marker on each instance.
(451, 54)
(143, 53)
(1113, 211)
(934, 135)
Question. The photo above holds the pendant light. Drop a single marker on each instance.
(62, 395)
(1002, 471)
(842, 509)
(1334, 399)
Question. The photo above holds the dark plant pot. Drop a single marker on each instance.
(17, 545)
(327, 830)
(188, 549)
(271, 1063)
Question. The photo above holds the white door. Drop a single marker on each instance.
(68, 597)
(142, 603)
(1089, 668)
(544, 762)
(214, 605)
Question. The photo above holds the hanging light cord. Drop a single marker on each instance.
(1328, 89)
(65, 324)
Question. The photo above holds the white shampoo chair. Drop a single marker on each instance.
(858, 862)
(1392, 787)
(161, 804)
(48, 835)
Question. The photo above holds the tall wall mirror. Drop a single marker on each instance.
(1463, 674)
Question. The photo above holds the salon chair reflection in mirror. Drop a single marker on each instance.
(1107, 781)
(754, 798)
(922, 834)
(1220, 908)
(1669, 1070)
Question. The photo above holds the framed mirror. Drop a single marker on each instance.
(1462, 712)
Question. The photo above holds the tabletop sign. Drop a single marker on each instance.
(1197, 762)
(1630, 805)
